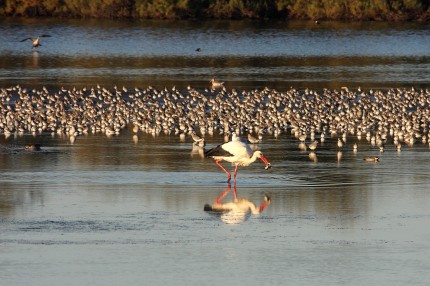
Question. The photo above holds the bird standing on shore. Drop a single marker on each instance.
(36, 41)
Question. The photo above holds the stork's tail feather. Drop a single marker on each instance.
(208, 153)
(213, 151)
(217, 151)
(207, 208)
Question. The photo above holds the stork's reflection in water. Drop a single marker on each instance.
(237, 210)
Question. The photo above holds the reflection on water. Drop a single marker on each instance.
(138, 209)
(243, 54)
(237, 210)
(328, 185)
(124, 210)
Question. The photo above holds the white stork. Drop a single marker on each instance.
(236, 152)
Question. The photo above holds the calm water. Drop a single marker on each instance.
(243, 54)
(109, 211)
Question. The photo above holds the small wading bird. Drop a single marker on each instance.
(216, 84)
(339, 143)
(236, 152)
(313, 145)
(200, 141)
(253, 140)
(235, 211)
(36, 41)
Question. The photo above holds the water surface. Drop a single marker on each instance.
(244, 54)
(107, 211)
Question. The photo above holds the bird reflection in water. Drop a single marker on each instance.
(35, 59)
(237, 210)
(313, 157)
(197, 150)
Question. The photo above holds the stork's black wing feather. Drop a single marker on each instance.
(217, 151)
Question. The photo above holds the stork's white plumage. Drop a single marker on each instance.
(236, 152)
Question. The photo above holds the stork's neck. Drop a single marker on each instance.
(252, 159)
(258, 210)
(242, 160)
(254, 209)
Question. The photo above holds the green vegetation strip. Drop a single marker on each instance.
(358, 10)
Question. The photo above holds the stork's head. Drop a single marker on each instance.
(264, 159)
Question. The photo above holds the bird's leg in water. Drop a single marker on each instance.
(220, 197)
(235, 191)
(228, 173)
(235, 173)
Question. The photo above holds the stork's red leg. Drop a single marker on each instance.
(220, 197)
(235, 191)
(235, 172)
(228, 173)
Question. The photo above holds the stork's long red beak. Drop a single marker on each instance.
(266, 162)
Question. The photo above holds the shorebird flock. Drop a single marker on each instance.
(395, 116)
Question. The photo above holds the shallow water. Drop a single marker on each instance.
(107, 211)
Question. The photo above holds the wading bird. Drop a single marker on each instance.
(216, 84)
(236, 152)
(200, 141)
(253, 140)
